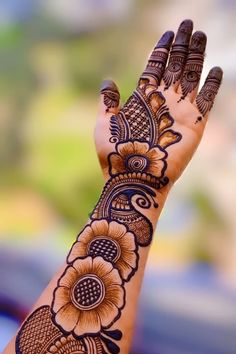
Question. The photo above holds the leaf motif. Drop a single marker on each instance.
(168, 138)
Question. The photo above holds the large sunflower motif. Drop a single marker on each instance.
(136, 156)
(89, 297)
(112, 241)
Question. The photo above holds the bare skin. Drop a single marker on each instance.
(90, 304)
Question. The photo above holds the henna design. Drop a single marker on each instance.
(89, 297)
(146, 119)
(176, 63)
(39, 335)
(91, 293)
(69, 344)
(119, 197)
(178, 54)
(110, 240)
(136, 156)
(199, 119)
(194, 64)
(38, 325)
(206, 96)
(191, 75)
(111, 94)
(157, 61)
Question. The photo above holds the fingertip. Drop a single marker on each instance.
(166, 40)
(187, 23)
(216, 73)
(208, 93)
(198, 42)
(184, 33)
(108, 84)
(110, 97)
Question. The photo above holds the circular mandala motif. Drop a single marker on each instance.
(88, 292)
(136, 163)
(105, 247)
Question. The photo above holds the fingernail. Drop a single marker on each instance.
(184, 32)
(108, 85)
(198, 42)
(215, 73)
(166, 40)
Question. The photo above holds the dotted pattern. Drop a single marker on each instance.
(37, 332)
(104, 248)
(88, 291)
(156, 65)
(67, 345)
(138, 119)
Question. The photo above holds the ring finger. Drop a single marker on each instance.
(192, 72)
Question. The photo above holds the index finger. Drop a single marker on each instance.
(157, 61)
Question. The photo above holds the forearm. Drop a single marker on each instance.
(90, 305)
(108, 256)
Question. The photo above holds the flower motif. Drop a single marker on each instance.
(112, 241)
(89, 296)
(136, 156)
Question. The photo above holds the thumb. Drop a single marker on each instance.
(110, 98)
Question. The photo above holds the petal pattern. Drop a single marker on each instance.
(67, 317)
(116, 230)
(112, 278)
(108, 312)
(117, 164)
(125, 148)
(92, 299)
(62, 298)
(128, 242)
(83, 266)
(117, 296)
(110, 240)
(100, 227)
(86, 234)
(69, 278)
(140, 148)
(89, 322)
(136, 156)
(102, 268)
(125, 269)
(79, 249)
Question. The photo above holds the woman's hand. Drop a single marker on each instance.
(160, 126)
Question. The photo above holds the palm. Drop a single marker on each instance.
(161, 124)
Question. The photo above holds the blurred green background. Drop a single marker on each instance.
(54, 55)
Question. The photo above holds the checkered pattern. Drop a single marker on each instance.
(138, 119)
(36, 332)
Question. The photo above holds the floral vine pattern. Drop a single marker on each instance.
(91, 293)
